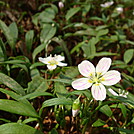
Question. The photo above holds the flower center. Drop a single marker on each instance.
(96, 79)
(53, 62)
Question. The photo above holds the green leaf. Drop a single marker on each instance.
(60, 89)
(64, 46)
(18, 128)
(30, 119)
(72, 72)
(72, 12)
(128, 55)
(17, 108)
(90, 49)
(98, 123)
(9, 82)
(128, 131)
(3, 50)
(55, 101)
(47, 33)
(86, 93)
(106, 110)
(37, 84)
(35, 94)
(123, 109)
(67, 81)
(47, 16)
(13, 62)
(2, 56)
(104, 54)
(38, 49)
(8, 34)
(10, 93)
(14, 31)
(102, 32)
(29, 40)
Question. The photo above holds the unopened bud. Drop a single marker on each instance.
(76, 107)
(60, 4)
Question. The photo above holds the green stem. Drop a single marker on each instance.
(84, 128)
(41, 124)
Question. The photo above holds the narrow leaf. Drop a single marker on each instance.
(18, 128)
(17, 108)
(71, 12)
(9, 82)
(29, 40)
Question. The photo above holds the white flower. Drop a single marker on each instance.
(53, 62)
(60, 4)
(107, 4)
(96, 77)
(121, 93)
(119, 9)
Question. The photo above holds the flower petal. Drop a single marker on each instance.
(59, 57)
(45, 60)
(86, 68)
(81, 84)
(61, 64)
(103, 66)
(111, 77)
(51, 67)
(98, 91)
(112, 92)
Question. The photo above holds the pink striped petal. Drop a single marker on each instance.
(111, 77)
(86, 68)
(98, 92)
(81, 84)
(103, 66)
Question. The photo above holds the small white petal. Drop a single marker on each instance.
(81, 84)
(45, 60)
(112, 92)
(75, 112)
(86, 68)
(59, 58)
(111, 78)
(98, 92)
(61, 64)
(103, 66)
(51, 67)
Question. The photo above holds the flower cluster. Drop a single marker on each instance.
(96, 78)
(53, 62)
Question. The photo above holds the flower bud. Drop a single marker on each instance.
(76, 107)
(60, 4)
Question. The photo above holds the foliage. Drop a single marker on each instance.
(77, 30)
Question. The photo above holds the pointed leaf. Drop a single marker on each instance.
(18, 128)
(29, 40)
(71, 12)
(8, 34)
(9, 82)
(17, 108)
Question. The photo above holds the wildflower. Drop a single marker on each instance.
(53, 62)
(119, 9)
(107, 4)
(96, 78)
(121, 93)
(61, 5)
(76, 107)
